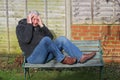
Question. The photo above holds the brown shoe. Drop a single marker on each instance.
(69, 60)
(86, 57)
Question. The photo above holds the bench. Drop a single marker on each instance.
(86, 46)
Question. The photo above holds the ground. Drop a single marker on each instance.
(11, 69)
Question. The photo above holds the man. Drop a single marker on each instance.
(35, 40)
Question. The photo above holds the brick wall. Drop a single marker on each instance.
(108, 34)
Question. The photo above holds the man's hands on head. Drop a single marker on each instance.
(40, 21)
(34, 20)
(29, 18)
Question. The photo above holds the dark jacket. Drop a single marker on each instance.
(29, 36)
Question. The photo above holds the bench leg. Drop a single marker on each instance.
(26, 71)
(101, 72)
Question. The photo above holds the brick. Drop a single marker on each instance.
(96, 38)
(106, 42)
(111, 59)
(106, 30)
(74, 33)
(76, 30)
(83, 34)
(84, 27)
(115, 28)
(95, 34)
(88, 38)
(117, 46)
(117, 50)
(111, 38)
(74, 26)
(116, 34)
(115, 42)
(110, 45)
(95, 29)
(85, 30)
(118, 38)
(76, 38)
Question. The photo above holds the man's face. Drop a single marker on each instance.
(35, 20)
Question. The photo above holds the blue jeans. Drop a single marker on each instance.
(48, 49)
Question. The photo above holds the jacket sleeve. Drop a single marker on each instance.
(47, 32)
(24, 32)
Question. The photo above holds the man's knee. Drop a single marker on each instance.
(62, 38)
(46, 39)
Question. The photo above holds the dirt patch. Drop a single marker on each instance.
(11, 62)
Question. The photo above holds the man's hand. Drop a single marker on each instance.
(29, 18)
(40, 22)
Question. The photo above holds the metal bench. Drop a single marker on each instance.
(86, 46)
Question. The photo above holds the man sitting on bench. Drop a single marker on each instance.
(36, 40)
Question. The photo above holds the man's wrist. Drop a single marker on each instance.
(41, 25)
(29, 21)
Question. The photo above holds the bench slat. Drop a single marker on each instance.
(87, 41)
(80, 43)
(86, 45)
(93, 45)
(60, 65)
(89, 49)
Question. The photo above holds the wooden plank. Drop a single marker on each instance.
(89, 49)
(87, 45)
(60, 65)
(86, 41)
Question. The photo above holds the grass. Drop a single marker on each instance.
(9, 71)
(11, 75)
(111, 72)
(65, 75)
(49, 75)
